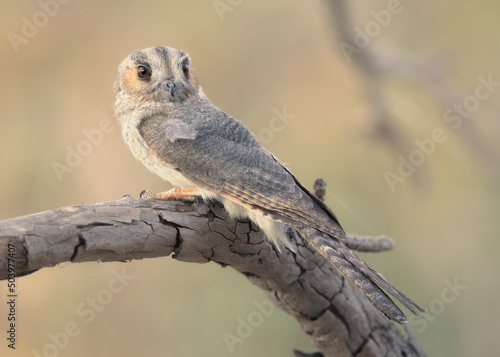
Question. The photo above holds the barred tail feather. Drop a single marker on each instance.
(367, 280)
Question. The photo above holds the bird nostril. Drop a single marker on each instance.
(172, 87)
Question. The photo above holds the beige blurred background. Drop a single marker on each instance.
(255, 58)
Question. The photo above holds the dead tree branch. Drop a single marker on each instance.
(331, 312)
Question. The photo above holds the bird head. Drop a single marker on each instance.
(161, 74)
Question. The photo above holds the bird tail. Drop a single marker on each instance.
(371, 283)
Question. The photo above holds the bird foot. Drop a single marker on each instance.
(180, 194)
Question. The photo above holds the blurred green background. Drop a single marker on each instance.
(253, 59)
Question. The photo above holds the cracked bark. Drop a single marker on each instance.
(331, 312)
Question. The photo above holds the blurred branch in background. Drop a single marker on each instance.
(431, 74)
(375, 66)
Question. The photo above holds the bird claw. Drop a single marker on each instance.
(146, 194)
(180, 194)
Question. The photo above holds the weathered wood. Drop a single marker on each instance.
(331, 312)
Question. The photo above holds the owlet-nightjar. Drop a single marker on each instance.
(176, 132)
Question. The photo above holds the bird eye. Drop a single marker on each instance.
(185, 69)
(143, 72)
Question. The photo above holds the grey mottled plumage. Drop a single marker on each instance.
(174, 129)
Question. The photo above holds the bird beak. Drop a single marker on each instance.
(171, 87)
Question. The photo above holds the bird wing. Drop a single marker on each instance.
(224, 157)
(231, 162)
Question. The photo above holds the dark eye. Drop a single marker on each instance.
(185, 69)
(143, 72)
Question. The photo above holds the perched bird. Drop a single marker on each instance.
(177, 133)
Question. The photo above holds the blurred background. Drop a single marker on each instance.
(402, 123)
